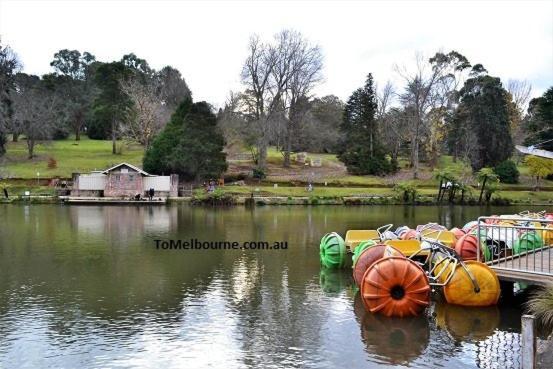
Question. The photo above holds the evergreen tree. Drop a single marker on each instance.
(189, 145)
(483, 118)
(157, 157)
(362, 152)
(111, 103)
(539, 125)
(199, 152)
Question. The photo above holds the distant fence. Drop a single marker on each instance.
(186, 190)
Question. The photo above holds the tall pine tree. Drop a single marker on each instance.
(362, 151)
(539, 122)
(482, 117)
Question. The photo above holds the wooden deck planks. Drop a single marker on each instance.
(532, 267)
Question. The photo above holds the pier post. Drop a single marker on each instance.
(528, 337)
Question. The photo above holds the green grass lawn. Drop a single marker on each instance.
(302, 191)
(86, 155)
(71, 156)
(322, 191)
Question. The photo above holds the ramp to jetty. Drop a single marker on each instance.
(520, 249)
(531, 267)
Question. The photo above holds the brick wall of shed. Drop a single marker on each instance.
(123, 187)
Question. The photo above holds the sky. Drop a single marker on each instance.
(207, 41)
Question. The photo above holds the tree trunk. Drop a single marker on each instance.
(371, 145)
(113, 137)
(262, 153)
(440, 190)
(415, 149)
(15, 137)
(31, 147)
(288, 144)
(2, 143)
(79, 118)
(482, 190)
(395, 152)
(452, 193)
(462, 196)
(416, 160)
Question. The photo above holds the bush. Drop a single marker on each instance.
(359, 162)
(60, 133)
(217, 197)
(259, 173)
(541, 305)
(98, 129)
(406, 191)
(507, 171)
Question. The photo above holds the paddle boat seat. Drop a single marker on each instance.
(355, 236)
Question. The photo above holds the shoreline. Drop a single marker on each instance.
(265, 201)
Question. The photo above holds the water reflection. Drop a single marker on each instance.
(392, 340)
(335, 281)
(84, 286)
(466, 323)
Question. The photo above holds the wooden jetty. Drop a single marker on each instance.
(535, 266)
(113, 201)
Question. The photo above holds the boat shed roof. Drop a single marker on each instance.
(130, 166)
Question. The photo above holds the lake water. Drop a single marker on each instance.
(85, 287)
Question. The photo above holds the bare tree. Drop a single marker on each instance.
(277, 76)
(520, 95)
(520, 92)
(385, 99)
(35, 108)
(146, 113)
(392, 122)
(258, 97)
(418, 94)
(171, 87)
(432, 85)
(9, 66)
(306, 63)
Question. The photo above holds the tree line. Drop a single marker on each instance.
(121, 99)
(443, 105)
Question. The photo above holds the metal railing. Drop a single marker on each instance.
(518, 243)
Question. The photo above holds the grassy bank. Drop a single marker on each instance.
(331, 180)
(515, 197)
(70, 156)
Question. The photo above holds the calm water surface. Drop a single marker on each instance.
(85, 287)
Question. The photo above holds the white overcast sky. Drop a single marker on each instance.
(207, 41)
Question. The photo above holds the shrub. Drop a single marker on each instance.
(507, 171)
(406, 191)
(259, 173)
(359, 162)
(541, 305)
(217, 197)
